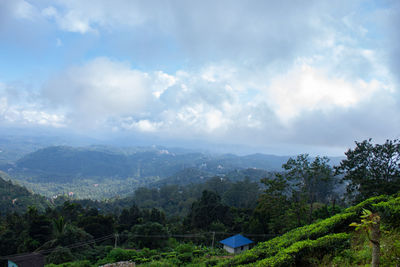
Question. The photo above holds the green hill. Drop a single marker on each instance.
(15, 198)
(65, 164)
(328, 241)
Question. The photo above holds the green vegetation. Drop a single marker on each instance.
(148, 242)
(296, 216)
(15, 198)
(102, 173)
(371, 170)
(327, 239)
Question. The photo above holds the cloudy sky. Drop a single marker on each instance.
(315, 75)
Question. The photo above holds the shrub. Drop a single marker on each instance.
(119, 254)
(184, 248)
(299, 251)
(185, 257)
(389, 212)
(60, 255)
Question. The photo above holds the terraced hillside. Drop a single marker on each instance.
(329, 238)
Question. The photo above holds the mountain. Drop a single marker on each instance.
(66, 164)
(17, 142)
(101, 171)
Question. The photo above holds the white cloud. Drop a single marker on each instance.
(305, 88)
(28, 115)
(24, 10)
(88, 16)
(73, 20)
(216, 101)
(102, 88)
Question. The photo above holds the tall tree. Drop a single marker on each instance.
(270, 214)
(371, 169)
(207, 210)
(242, 194)
(312, 181)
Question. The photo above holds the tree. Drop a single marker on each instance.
(128, 218)
(311, 181)
(270, 214)
(371, 170)
(370, 224)
(242, 194)
(150, 235)
(289, 197)
(97, 226)
(207, 210)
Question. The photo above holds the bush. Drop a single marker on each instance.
(389, 212)
(211, 262)
(300, 251)
(185, 257)
(60, 255)
(119, 254)
(184, 248)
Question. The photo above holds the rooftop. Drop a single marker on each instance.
(236, 241)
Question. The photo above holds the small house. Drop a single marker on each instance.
(26, 260)
(236, 244)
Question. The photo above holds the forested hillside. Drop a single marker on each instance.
(100, 172)
(63, 164)
(15, 198)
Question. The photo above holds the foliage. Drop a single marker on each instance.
(291, 198)
(389, 211)
(371, 225)
(150, 235)
(368, 219)
(372, 170)
(60, 255)
(298, 252)
(17, 198)
(359, 254)
(207, 210)
(322, 238)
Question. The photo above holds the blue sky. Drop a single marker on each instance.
(276, 76)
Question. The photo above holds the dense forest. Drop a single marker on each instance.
(309, 213)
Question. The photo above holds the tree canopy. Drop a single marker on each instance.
(371, 169)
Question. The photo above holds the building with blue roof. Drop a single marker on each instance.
(236, 244)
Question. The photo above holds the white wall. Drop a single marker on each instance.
(229, 249)
(236, 250)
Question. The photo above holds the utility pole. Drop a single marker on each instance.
(213, 241)
(116, 240)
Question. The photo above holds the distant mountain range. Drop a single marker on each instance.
(66, 164)
(100, 172)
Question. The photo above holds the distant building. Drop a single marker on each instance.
(236, 244)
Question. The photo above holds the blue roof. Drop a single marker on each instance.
(236, 241)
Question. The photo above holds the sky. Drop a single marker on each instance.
(276, 76)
